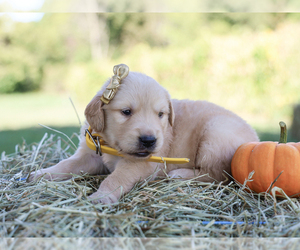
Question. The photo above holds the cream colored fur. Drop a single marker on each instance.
(199, 130)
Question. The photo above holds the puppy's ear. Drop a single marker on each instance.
(94, 114)
(171, 113)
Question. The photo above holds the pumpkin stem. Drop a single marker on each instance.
(283, 132)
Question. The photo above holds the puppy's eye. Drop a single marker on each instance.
(126, 112)
(160, 114)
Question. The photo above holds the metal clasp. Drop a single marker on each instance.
(96, 143)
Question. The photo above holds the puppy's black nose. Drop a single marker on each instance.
(147, 141)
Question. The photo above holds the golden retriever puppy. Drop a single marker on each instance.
(142, 120)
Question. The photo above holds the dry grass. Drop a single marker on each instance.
(160, 208)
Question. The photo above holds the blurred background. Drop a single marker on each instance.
(53, 63)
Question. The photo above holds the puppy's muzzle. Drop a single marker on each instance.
(147, 141)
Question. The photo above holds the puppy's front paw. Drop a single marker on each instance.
(33, 176)
(100, 197)
(176, 174)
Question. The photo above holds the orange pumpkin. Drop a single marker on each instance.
(268, 160)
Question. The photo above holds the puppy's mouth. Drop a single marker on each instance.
(143, 154)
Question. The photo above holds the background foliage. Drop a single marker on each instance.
(245, 62)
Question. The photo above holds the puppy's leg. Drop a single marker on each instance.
(122, 180)
(84, 160)
(223, 135)
(184, 173)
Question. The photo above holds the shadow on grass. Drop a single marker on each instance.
(10, 138)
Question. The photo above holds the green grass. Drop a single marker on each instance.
(10, 138)
(18, 111)
(21, 114)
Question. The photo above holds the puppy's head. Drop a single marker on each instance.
(136, 120)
